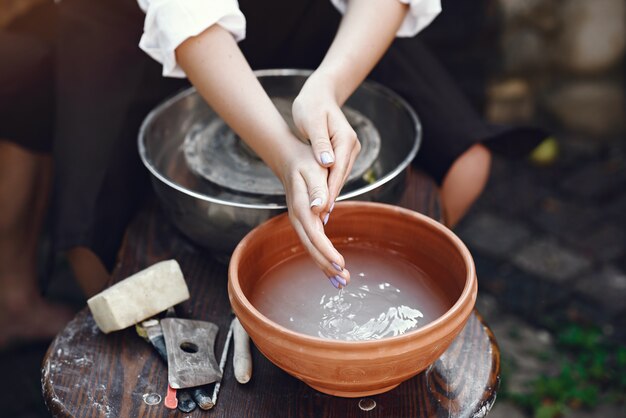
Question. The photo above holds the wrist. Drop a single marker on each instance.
(331, 79)
(280, 158)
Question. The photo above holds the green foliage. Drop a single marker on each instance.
(550, 411)
(592, 370)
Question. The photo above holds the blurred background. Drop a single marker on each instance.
(549, 233)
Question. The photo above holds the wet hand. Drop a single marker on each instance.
(307, 193)
(319, 118)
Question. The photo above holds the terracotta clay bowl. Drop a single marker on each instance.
(357, 368)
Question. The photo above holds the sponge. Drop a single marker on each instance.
(140, 296)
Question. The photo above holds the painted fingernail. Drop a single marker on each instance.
(326, 218)
(336, 266)
(341, 280)
(332, 206)
(334, 282)
(326, 158)
(316, 202)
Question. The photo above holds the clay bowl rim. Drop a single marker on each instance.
(456, 309)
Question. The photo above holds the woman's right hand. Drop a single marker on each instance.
(318, 116)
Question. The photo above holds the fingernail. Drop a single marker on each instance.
(332, 206)
(326, 218)
(316, 202)
(336, 266)
(326, 158)
(334, 282)
(341, 280)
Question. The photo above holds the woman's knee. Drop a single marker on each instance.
(478, 159)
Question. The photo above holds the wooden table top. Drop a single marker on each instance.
(86, 373)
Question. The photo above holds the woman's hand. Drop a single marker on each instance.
(305, 183)
(317, 109)
(318, 116)
(228, 84)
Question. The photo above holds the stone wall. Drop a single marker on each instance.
(562, 62)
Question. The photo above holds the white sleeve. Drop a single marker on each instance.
(420, 14)
(169, 23)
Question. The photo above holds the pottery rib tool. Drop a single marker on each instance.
(200, 394)
(151, 331)
(190, 352)
(139, 297)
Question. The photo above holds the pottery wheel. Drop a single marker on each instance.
(213, 151)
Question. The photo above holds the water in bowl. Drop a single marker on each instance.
(387, 296)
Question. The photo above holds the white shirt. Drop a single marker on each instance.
(169, 23)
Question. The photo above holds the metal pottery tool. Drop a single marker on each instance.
(200, 394)
(190, 352)
(187, 399)
(216, 390)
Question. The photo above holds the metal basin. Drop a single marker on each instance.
(218, 217)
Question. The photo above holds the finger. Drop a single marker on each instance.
(346, 150)
(319, 246)
(317, 187)
(316, 130)
(316, 183)
(311, 232)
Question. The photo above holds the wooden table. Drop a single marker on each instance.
(88, 374)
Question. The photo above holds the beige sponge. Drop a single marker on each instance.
(140, 296)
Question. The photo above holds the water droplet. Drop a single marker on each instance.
(367, 404)
(152, 398)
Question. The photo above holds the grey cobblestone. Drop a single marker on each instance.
(520, 292)
(566, 219)
(598, 180)
(546, 258)
(603, 243)
(493, 235)
(616, 209)
(518, 196)
(606, 287)
(524, 350)
(504, 409)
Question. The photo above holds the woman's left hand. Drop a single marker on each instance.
(306, 193)
(318, 116)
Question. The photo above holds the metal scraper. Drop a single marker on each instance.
(190, 352)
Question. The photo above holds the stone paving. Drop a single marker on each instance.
(551, 229)
(549, 244)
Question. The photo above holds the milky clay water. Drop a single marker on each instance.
(387, 296)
